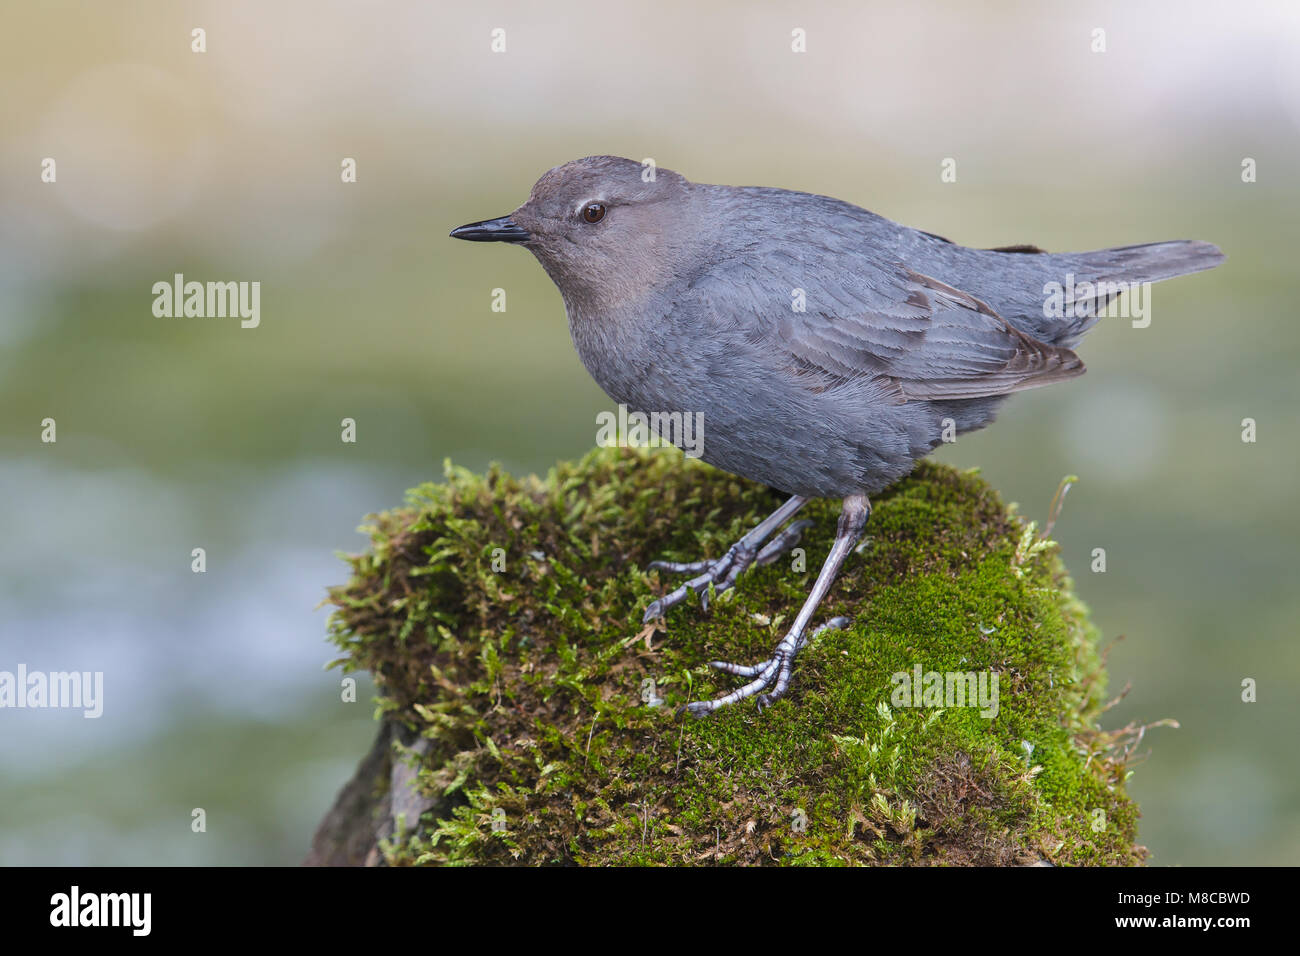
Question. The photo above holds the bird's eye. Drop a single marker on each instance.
(593, 212)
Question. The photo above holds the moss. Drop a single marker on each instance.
(527, 682)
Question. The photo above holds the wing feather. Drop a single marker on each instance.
(926, 339)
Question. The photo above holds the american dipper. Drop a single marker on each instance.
(827, 347)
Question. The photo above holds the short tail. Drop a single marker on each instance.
(1102, 276)
(1150, 262)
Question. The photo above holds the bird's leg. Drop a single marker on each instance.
(774, 672)
(723, 572)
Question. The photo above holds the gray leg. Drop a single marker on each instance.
(723, 572)
(775, 671)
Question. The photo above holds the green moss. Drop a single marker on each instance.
(528, 682)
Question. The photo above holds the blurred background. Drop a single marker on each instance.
(225, 165)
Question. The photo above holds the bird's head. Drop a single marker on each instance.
(603, 227)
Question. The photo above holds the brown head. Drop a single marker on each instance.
(606, 229)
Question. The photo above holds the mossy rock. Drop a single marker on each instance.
(513, 682)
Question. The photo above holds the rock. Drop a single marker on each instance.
(539, 719)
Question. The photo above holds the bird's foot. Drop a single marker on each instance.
(723, 572)
(772, 673)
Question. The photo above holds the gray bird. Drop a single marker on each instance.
(828, 348)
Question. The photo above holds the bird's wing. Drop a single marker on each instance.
(928, 340)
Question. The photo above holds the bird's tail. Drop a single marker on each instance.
(1095, 279)
(1151, 261)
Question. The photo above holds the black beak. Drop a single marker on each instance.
(491, 230)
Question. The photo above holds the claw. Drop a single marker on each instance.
(678, 567)
(699, 585)
(697, 709)
(782, 543)
(772, 673)
(771, 678)
(724, 572)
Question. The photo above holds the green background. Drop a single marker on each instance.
(183, 433)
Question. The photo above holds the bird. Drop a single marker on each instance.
(828, 348)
